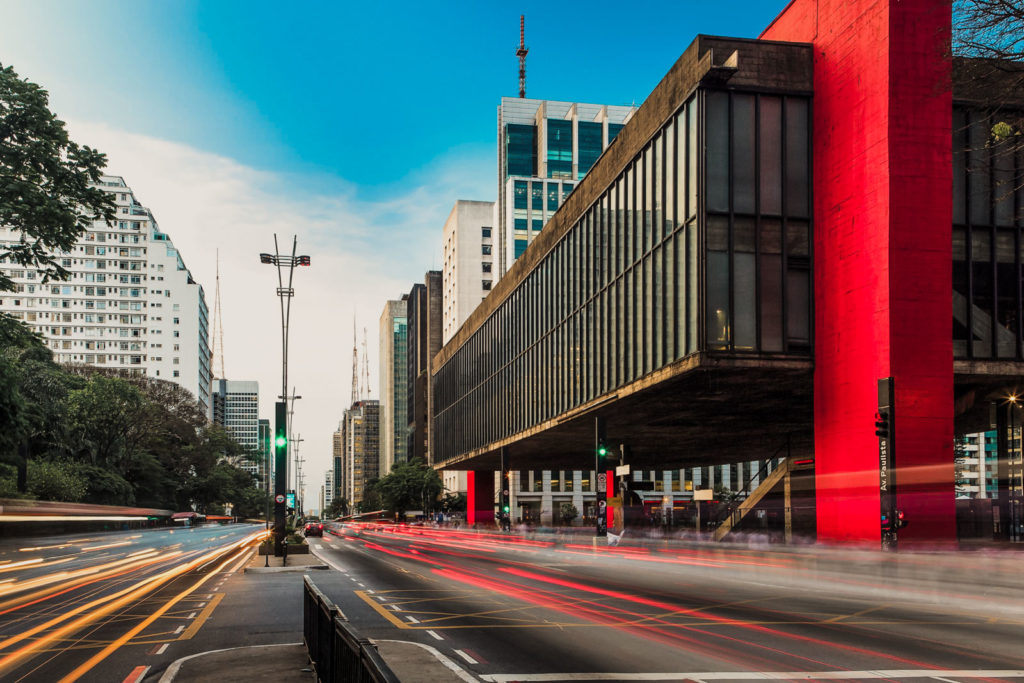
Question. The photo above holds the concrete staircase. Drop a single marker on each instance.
(780, 475)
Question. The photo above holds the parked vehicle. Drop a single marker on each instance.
(313, 529)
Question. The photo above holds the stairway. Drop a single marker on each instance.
(777, 476)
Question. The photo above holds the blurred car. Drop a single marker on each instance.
(313, 529)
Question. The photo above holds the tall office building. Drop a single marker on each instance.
(267, 459)
(236, 408)
(338, 460)
(469, 259)
(424, 335)
(328, 490)
(394, 382)
(361, 447)
(130, 303)
(544, 149)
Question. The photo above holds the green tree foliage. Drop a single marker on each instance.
(410, 485)
(47, 181)
(568, 512)
(453, 503)
(337, 508)
(56, 480)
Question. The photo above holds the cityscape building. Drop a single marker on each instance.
(130, 302)
(394, 378)
(266, 456)
(469, 261)
(423, 314)
(361, 448)
(236, 408)
(338, 461)
(544, 148)
(327, 489)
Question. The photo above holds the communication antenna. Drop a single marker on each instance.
(218, 328)
(355, 363)
(521, 53)
(366, 369)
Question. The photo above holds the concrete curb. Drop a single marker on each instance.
(441, 658)
(175, 666)
(275, 570)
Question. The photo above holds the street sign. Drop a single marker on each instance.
(279, 498)
(621, 470)
(704, 494)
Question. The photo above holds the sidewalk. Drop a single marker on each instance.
(289, 663)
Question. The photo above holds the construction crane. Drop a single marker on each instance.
(521, 53)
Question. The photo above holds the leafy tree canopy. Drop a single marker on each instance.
(47, 181)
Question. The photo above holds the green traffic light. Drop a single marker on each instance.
(601, 450)
(281, 441)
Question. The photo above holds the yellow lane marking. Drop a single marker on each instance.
(387, 614)
(201, 619)
(856, 614)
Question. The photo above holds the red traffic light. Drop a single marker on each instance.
(304, 261)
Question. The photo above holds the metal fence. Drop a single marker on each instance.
(338, 652)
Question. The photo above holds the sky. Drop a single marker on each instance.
(353, 126)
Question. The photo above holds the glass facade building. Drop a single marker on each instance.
(696, 241)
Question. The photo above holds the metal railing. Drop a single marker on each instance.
(339, 654)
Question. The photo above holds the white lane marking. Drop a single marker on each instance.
(369, 591)
(413, 620)
(179, 629)
(468, 659)
(754, 675)
(202, 604)
(361, 585)
(436, 637)
(447, 662)
(191, 616)
(382, 598)
(394, 607)
(945, 680)
(162, 649)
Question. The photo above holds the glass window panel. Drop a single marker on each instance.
(743, 132)
(743, 234)
(670, 182)
(978, 173)
(537, 193)
(745, 301)
(657, 319)
(649, 304)
(588, 145)
(648, 195)
(797, 238)
(1003, 185)
(630, 228)
(521, 150)
(680, 292)
(559, 155)
(671, 299)
(797, 171)
(718, 233)
(691, 287)
(983, 294)
(770, 154)
(771, 302)
(718, 300)
(716, 124)
(691, 157)
(771, 236)
(552, 197)
(658, 184)
(1006, 290)
(566, 190)
(613, 130)
(959, 166)
(798, 327)
(519, 191)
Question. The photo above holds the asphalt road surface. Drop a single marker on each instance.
(508, 608)
(105, 607)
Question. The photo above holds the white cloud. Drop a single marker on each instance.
(363, 253)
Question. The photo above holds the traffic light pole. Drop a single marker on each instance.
(884, 430)
(601, 476)
(285, 294)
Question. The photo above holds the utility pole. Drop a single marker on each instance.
(285, 294)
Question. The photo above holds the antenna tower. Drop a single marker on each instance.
(521, 53)
(218, 328)
(355, 364)
(366, 369)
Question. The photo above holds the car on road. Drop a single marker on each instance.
(313, 529)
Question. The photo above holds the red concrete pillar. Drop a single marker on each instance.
(882, 257)
(480, 497)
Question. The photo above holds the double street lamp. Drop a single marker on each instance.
(285, 293)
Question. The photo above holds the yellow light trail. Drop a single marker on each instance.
(28, 584)
(96, 609)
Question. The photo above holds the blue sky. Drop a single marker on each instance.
(353, 126)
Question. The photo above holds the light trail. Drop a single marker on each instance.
(96, 609)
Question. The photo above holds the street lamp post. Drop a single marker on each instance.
(285, 294)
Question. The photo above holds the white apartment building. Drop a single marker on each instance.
(328, 489)
(236, 407)
(469, 268)
(544, 149)
(130, 303)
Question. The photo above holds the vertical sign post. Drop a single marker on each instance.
(885, 431)
(601, 475)
(504, 513)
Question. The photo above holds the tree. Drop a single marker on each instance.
(337, 508)
(410, 485)
(48, 191)
(568, 512)
(56, 480)
(453, 503)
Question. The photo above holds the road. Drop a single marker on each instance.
(512, 609)
(100, 607)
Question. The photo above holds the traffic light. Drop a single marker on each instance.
(602, 450)
(882, 424)
(281, 439)
(303, 260)
(901, 519)
(886, 523)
